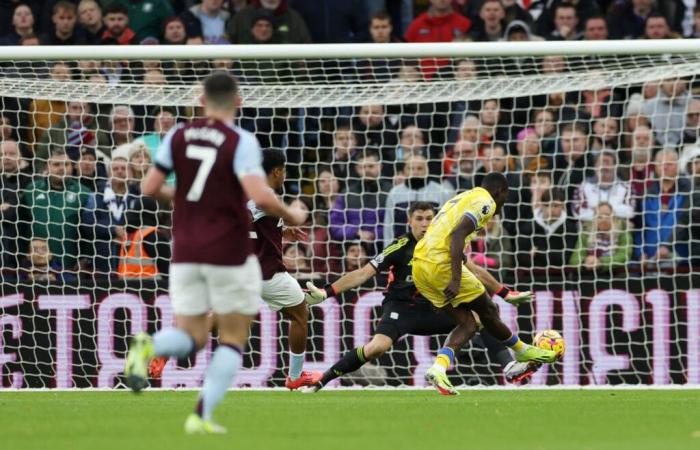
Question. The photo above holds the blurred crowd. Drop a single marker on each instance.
(600, 180)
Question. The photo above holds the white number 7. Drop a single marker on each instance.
(207, 156)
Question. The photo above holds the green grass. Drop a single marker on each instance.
(357, 420)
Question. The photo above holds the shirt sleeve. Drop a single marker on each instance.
(480, 210)
(390, 256)
(248, 158)
(164, 156)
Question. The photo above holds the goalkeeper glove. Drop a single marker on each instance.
(314, 295)
(515, 298)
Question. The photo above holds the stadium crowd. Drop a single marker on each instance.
(600, 179)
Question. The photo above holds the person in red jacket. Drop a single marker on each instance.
(439, 24)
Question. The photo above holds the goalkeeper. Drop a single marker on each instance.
(404, 310)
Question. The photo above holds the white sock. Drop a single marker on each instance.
(222, 369)
(172, 342)
(296, 364)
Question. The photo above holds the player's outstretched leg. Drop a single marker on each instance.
(513, 371)
(298, 331)
(488, 314)
(354, 359)
(436, 375)
(224, 365)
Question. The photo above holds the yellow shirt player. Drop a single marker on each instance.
(441, 276)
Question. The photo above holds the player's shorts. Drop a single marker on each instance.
(196, 289)
(412, 317)
(431, 280)
(282, 291)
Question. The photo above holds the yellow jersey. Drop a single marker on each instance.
(476, 204)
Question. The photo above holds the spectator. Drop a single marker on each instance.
(334, 21)
(359, 213)
(262, 28)
(490, 27)
(91, 173)
(121, 129)
(493, 160)
(544, 124)
(64, 19)
(44, 113)
(439, 24)
(667, 111)
(641, 166)
(663, 210)
(595, 29)
(376, 129)
(174, 31)
(145, 250)
(604, 187)
(90, 18)
(461, 166)
(16, 171)
(164, 119)
(355, 256)
(529, 158)
(545, 12)
(344, 150)
(139, 162)
(11, 185)
(379, 69)
(41, 266)
(147, 17)
(76, 128)
(212, 18)
(553, 234)
(52, 206)
(417, 187)
(656, 27)
(411, 142)
(607, 245)
(288, 26)
(104, 217)
(693, 218)
(691, 132)
(565, 23)
(295, 258)
(517, 31)
(627, 19)
(327, 191)
(116, 24)
(606, 134)
(490, 129)
(22, 25)
(492, 247)
(573, 161)
(696, 23)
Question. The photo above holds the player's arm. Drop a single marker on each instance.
(153, 184)
(348, 281)
(464, 228)
(247, 165)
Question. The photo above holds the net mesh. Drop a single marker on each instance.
(601, 222)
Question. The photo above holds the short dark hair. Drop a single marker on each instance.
(565, 5)
(273, 158)
(115, 8)
(369, 152)
(64, 5)
(220, 88)
(420, 206)
(596, 17)
(656, 15)
(553, 195)
(606, 152)
(380, 15)
(494, 182)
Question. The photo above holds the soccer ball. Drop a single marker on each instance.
(551, 340)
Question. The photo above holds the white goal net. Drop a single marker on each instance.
(600, 144)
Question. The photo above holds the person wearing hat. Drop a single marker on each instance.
(288, 26)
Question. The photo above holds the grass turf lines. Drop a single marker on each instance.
(357, 420)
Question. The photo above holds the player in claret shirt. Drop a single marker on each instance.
(214, 268)
(404, 309)
(281, 291)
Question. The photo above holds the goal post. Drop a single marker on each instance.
(600, 142)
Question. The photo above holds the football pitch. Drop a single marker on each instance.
(358, 420)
